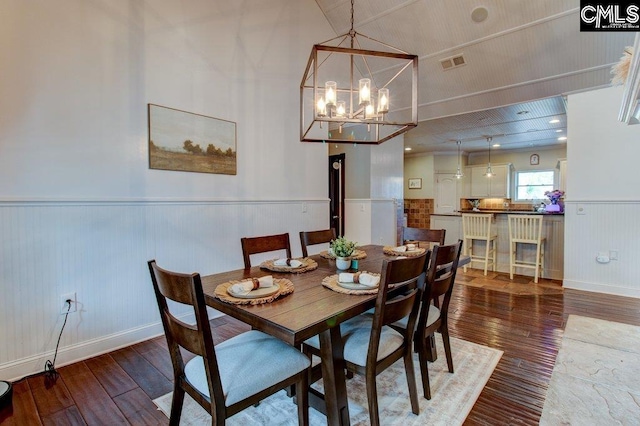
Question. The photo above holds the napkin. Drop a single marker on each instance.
(287, 262)
(363, 278)
(244, 287)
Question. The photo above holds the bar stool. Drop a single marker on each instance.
(526, 229)
(476, 226)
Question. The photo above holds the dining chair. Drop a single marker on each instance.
(309, 238)
(254, 245)
(440, 277)
(234, 375)
(370, 345)
(423, 234)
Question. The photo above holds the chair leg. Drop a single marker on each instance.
(176, 406)
(411, 381)
(467, 252)
(486, 256)
(372, 397)
(447, 346)
(512, 259)
(424, 370)
(302, 399)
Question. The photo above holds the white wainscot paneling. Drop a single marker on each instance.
(602, 227)
(100, 251)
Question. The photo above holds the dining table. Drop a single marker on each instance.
(310, 309)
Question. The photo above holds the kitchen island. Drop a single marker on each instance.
(552, 230)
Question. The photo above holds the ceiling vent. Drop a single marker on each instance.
(452, 62)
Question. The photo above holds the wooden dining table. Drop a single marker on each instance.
(310, 310)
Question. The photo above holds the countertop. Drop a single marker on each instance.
(459, 212)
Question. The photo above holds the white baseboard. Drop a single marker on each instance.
(70, 354)
(602, 288)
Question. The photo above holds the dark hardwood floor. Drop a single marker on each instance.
(523, 319)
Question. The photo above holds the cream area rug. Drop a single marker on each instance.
(453, 395)
(595, 377)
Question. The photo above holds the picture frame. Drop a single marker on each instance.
(189, 142)
(534, 160)
(415, 183)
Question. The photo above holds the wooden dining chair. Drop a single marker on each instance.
(370, 345)
(238, 373)
(423, 234)
(310, 238)
(440, 277)
(254, 245)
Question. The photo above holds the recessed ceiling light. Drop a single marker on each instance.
(495, 145)
(522, 112)
(479, 14)
(555, 120)
(408, 148)
(559, 131)
(562, 138)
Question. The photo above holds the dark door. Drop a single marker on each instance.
(336, 193)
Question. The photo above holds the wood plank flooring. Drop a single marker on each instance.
(523, 319)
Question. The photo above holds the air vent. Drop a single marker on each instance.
(452, 62)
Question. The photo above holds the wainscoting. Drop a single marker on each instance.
(99, 251)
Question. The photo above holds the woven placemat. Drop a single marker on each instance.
(390, 251)
(358, 254)
(307, 265)
(331, 282)
(286, 287)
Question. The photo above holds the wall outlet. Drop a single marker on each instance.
(64, 307)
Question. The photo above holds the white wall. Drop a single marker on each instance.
(602, 180)
(79, 208)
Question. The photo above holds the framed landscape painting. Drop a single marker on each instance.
(188, 142)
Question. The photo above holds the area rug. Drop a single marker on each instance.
(595, 377)
(453, 395)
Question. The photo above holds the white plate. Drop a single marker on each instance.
(256, 294)
(356, 286)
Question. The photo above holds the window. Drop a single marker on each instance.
(531, 185)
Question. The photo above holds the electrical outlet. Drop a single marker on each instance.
(64, 307)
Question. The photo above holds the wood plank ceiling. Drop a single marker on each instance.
(527, 55)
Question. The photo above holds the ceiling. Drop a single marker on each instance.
(526, 55)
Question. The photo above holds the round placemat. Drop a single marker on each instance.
(286, 287)
(331, 282)
(358, 254)
(390, 251)
(308, 264)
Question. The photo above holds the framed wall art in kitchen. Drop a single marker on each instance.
(415, 183)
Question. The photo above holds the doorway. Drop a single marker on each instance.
(336, 193)
(447, 198)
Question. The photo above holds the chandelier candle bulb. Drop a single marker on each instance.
(321, 107)
(383, 101)
(330, 90)
(341, 109)
(365, 91)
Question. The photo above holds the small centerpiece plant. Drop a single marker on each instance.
(342, 247)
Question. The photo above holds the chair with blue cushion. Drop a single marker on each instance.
(238, 372)
(370, 345)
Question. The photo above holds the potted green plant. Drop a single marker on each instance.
(342, 249)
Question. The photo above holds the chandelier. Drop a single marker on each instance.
(489, 172)
(459, 173)
(349, 90)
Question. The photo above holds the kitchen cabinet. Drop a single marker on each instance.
(497, 186)
(451, 223)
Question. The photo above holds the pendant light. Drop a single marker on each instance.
(489, 172)
(459, 173)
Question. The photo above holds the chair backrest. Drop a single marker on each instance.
(525, 228)
(441, 275)
(253, 245)
(197, 339)
(476, 225)
(421, 234)
(388, 311)
(309, 238)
